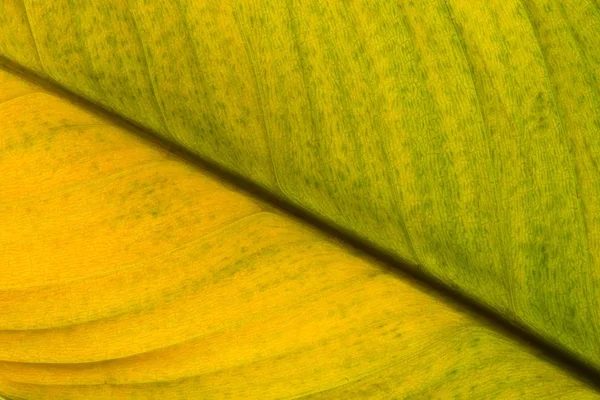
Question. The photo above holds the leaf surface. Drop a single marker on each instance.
(461, 137)
(128, 273)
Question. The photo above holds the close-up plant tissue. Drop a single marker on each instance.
(279, 199)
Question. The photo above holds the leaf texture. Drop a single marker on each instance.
(127, 273)
(462, 137)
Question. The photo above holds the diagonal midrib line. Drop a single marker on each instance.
(452, 297)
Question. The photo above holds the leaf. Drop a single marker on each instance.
(469, 153)
(461, 138)
(129, 273)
